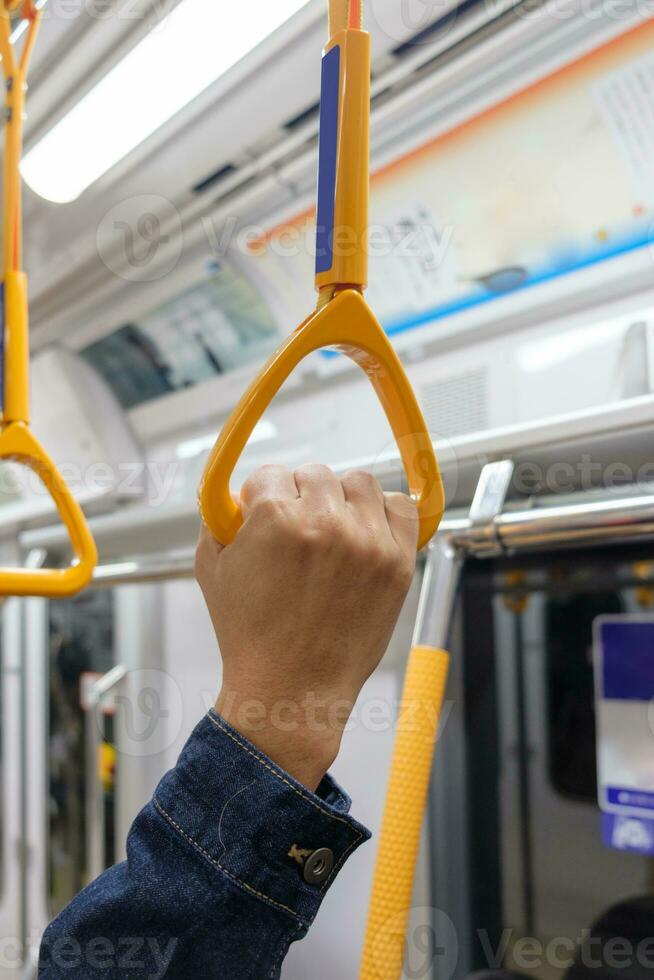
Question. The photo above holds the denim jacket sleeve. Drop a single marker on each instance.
(226, 867)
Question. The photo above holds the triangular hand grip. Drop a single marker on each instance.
(19, 445)
(347, 323)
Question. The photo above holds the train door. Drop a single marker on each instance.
(540, 889)
(12, 841)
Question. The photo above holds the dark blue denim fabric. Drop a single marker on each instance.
(208, 889)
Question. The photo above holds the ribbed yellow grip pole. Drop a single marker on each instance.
(422, 701)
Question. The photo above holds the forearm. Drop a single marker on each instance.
(220, 876)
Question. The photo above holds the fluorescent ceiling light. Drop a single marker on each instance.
(192, 47)
(547, 352)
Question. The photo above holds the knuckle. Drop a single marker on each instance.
(314, 470)
(361, 481)
(261, 477)
(268, 512)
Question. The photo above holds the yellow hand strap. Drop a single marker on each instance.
(17, 443)
(343, 319)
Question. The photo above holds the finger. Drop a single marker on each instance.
(267, 483)
(402, 517)
(365, 496)
(319, 487)
(206, 540)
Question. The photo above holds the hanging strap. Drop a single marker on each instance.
(15, 73)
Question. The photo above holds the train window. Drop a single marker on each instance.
(218, 325)
(541, 876)
(81, 647)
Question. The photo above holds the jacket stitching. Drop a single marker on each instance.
(345, 853)
(217, 864)
(332, 816)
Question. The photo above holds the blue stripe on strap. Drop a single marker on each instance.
(329, 104)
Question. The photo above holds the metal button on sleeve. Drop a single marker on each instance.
(318, 866)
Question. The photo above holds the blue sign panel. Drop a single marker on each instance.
(627, 659)
(624, 675)
(630, 797)
(635, 834)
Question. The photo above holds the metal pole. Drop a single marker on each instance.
(95, 814)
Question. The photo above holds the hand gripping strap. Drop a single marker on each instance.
(347, 323)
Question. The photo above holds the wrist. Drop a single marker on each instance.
(301, 735)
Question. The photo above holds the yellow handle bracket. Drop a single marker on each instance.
(17, 443)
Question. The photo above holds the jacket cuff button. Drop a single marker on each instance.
(318, 866)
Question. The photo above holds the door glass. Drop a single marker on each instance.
(561, 903)
(81, 649)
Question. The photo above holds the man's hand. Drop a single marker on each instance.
(304, 602)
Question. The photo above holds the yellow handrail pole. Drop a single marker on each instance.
(34, 17)
(16, 439)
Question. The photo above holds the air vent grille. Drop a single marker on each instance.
(214, 178)
(456, 405)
